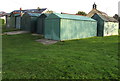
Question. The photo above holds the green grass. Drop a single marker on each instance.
(4, 29)
(91, 58)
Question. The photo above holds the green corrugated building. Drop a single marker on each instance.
(106, 25)
(17, 21)
(29, 22)
(68, 27)
(41, 24)
(12, 21)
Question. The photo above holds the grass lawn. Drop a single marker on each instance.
(4, 29)
(91, 58)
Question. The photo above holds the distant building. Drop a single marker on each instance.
(68, 27)
(7, 15)
(14, 20)
(39, 10)
(94, 10)
(106, 25)
(119, 8)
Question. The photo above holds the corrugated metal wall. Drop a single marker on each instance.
(52, 29)
(76, 29)
(12, 21)
(111, 28)
(26, 23)
(33, 25)
(29, 23)
(40, 25)
(18, 22)
(100, 25)
(66, 29)
(8, 22)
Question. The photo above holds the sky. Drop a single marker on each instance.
(119, 8)
(67, 6)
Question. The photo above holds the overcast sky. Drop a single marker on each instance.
(67, 6)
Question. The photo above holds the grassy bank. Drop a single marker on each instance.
(91, 58)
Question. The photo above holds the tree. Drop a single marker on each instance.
(81, 13)
(116, 16)
(49, 11)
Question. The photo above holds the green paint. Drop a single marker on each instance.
(29, 22)
(68, 27)
(12, 21)
(73, 29)
(52, 29)
(41, 23)
(18, 22)
(100, 25)
(105, 27)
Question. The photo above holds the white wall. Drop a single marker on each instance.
(111, 28)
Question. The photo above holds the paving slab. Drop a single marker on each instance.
(46, 41)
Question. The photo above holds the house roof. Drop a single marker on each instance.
(30, 10)
(47, 14)
(16, 14)
(72, 14)
(2, 13)
(68, 16)
(7, 14)
(34, 14)
(93, 11)
(44, 14)
(107, 18)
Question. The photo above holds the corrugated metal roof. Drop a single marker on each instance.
(16, 14)
(67, 16)
(47, 14)
(34, 14)
(44, 14)
(36, 10)
(31, 10)
(107, 18)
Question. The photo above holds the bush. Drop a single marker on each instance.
(2, 21)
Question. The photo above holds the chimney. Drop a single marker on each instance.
(20, 11)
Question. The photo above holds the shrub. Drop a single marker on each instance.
(2, 21)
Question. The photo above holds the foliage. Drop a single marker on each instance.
(81, 13)
(49, 11)
(90, 58)
(2, 21)
(116, 16)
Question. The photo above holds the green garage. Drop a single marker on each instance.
(40, 23)
(106, 25)
(12, 20)
(67, 27)
(29, 22)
